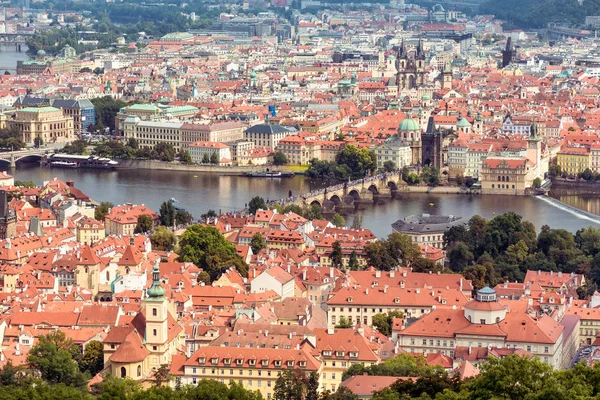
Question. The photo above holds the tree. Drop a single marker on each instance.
(460, 180)
(210, 251)
(434, 177)
(133, 143)
(405, 173)
(344, 323)
(205, 158)
(102, 210)
(167, 213)
(163, 239)
(38, 141)
(459, 256)
(554, 170)
(161, 374)
(279, 158)
(112, 388)
(257, 243)
(353, 264)
(338, 220)
(11, 139)
(358, 162)
(203, 276)
(183, 217)
(210, 214)
(92, 359)
(255, 204)
(185, 157)
(537, 183)
(384, 322)
(165, 152)
(290, 385)
(144, 224)
(52, 357)
(336, 255)
(343, 393)
(389, 166)
(25, 184)
(320, 169)
(214, 158)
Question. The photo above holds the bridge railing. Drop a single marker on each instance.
(343, 185)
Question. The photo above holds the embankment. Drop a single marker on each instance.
(562, 187)
(208, 169)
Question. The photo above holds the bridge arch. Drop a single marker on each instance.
(336, 199)
(392, 185)
(316, 203)
(354, 194)
(28, 156)
(373, 189)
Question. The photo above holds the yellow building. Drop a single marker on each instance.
(253, 368)
(89, 231)
(505, 175)
(46, 123)
(573, 160)
(137, 350)
(589, 324)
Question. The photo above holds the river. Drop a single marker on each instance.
(198, 193)
(9, 57)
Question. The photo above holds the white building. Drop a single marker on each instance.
(203, 151)
(275, 279)
(263, 135)
(393, 150)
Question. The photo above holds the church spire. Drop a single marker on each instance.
(156, 291)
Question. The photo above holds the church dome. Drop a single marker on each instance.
(409, 124)
(463, 123)
(41, 53)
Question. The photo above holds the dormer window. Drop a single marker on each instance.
(353, 354)
(349, 299)
(397, 300)
(326, 353)
(239, 361)
(215, 360)
(278, 363)
(252, 362)
(290, 363)
(201, 360)
(302, 364)
(265, 363)
(340, 353)
(227, 361)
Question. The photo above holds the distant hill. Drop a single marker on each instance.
(531, 14)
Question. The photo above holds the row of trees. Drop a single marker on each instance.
(429, 175)
(132, 149)
(351, 163)
(505, 247)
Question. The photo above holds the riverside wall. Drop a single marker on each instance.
(210, 169)
(562, 187)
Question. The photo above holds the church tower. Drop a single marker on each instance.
(411, 70)
(534, 146)
(447, 76)
(157, 326)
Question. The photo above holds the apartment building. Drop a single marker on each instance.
(151, 133)
(46, 123)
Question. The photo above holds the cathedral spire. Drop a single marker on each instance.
(156, 291)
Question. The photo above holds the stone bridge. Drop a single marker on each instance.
(12, 157)
(350, 194)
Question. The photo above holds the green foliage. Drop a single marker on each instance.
(214, 158)
(76, 147)
(296, 385)
(430, 175)
(389, 166)
(554, 170)
(257, 243)
(183, 217)
(185, 157)
(106, 111)
(203, 276)
(167, 213)
(336, 255)
(53, 357)
(163, 239)
(25, 184)
(338, 220)
(165, 152)
(383, 322)
(459, 256)
(205, 159)
(353, 264)
(101, 211)
(11, 139)
(396, 250)
(255, 204)
(209, 214)
(403, 365)
(144, 224)
(531, 14)
(279, 158)
(209, 250)
(537, 183)
(350, 163)
(343, 393)
(92, 359)
(343, 323)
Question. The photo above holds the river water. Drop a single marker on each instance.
(9, 57)
(198, 193)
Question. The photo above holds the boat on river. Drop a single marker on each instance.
(78, 161)
(269, 174)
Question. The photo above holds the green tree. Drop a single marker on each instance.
(53, 357)
(343, 393)
(336, 255)
(133, 143)
(25, 184)
(38, 141)
(185, 157)
(102, 210)
(389, 166)
(353, 264)
(161, 374)
(338, 220)
(209, 250)
(384, 322)
(144, 224)
(11, 139)
(537, 183)
(459, 256)
(257, 243)
(92, 359)
(290, 385)
(106, 111)
(203, 276)
(167, 213)
(359, 162)
(205, 159)
(405, 173)
(214, 158)
(210, 214)
(163, 239)
(183, 217)
(112, 388)
(554, 170)
(343, 323)
(165, 152)
(255, 204)
(279, 158)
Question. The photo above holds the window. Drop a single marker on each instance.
(154, 312)
(154, 332)
(139, 370)
(546, 349)
(123, 372)
(154, 348)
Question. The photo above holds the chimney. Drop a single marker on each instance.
(266, 333)
(330, 331)
(377, 274)
(470, 351)
(385, 288)
(460, 283)
(559, 274)
(392, 274)
(367, 291)
(331, 272)
(304, 274)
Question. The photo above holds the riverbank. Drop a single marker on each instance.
(563, 187)
(208, 169)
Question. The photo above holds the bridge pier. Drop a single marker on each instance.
(12, 161)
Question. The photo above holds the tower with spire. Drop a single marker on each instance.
(411, 69)
(157, 315)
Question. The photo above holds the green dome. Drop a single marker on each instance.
(426, 96)
(156, 291)
(463, 123)
(409, 124)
